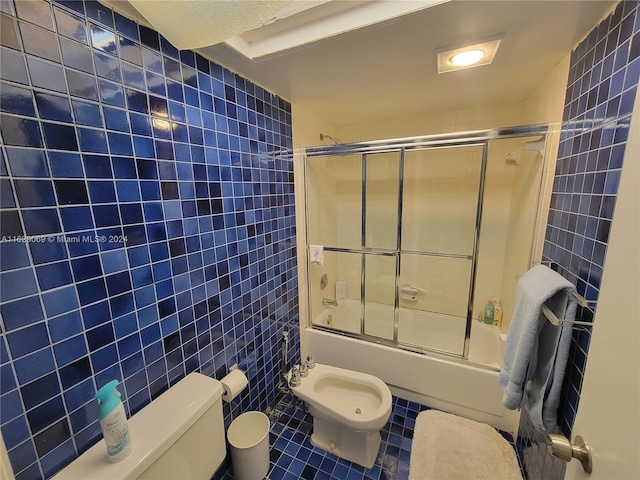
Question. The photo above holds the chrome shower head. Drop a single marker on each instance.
(334, 140)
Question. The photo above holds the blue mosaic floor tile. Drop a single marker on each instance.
(293, 457)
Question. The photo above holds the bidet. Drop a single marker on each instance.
(349, 409)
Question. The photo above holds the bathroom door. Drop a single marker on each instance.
(608, 415)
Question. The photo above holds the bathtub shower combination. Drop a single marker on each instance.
(415, 236)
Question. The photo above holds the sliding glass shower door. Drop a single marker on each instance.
(440, 220)
(399, 229)
(381, 175)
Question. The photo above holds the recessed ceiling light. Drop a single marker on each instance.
(464, 59)
(467, 56)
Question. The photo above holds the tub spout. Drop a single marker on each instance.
(330, 301)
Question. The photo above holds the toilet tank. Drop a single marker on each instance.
(178, 435)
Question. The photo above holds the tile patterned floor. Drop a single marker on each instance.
(293, 456)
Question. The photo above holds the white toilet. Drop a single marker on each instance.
(178, 435)
(349, 409)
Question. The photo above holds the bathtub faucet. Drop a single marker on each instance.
(330, 301)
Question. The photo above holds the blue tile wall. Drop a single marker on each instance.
(601, 89)
(148, 231)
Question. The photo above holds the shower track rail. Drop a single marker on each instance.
(439, 139)
(467, 138)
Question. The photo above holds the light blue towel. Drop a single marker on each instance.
(536, 352)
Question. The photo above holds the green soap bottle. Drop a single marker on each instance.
(488, 312)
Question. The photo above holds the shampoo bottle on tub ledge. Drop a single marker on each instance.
(113, 422)
(497, 312)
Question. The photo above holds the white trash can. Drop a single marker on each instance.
(248, 437)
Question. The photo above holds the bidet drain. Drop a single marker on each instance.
(358, 411)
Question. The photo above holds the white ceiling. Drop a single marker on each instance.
(389, 68)
(316, 20)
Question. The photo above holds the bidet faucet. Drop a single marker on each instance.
(294, 379)
(311, 363)
(330, 301)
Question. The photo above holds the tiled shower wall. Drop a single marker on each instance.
(601, 89)
(146, 230)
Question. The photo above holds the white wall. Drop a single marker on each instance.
(427, 123)
(6, 472)
(545, 105)
(307, 127)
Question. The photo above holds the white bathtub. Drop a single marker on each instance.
(417, 328)
(466, 388)
(487, 345)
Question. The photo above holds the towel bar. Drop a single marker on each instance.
(560, 447)
(556, 321)
(546, 311)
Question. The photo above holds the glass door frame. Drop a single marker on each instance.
(458, 139)
(474, 250)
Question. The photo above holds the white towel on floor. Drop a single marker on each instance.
(448, 447)
(316, 254)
